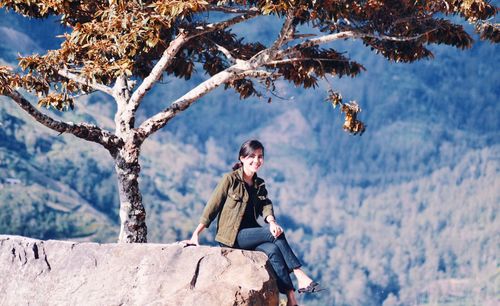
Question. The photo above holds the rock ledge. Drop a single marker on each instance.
(36, 272)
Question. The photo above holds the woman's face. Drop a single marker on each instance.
(253, 161)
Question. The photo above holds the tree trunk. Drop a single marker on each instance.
(132, 213)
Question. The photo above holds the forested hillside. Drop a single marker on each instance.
(405, 214)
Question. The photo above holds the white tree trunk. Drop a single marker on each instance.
(132, 213)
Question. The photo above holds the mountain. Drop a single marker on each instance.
(405, 214)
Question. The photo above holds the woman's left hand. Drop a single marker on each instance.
(275, 229)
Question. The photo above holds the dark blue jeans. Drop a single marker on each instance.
(280, 255)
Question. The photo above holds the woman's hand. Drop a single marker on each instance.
(194, 238)
(191, 242)
(275, 229)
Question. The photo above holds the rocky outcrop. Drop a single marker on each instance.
(35, 272)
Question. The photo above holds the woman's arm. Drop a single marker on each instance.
(214, 205)
(195, 237)
(211, 210)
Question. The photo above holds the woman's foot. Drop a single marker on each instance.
(302, 278)
(311, 288)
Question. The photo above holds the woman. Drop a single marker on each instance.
(237, 201)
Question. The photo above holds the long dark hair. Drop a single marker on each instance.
(247, 148)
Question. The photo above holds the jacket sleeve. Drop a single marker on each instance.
(216, 201)
(267, 205)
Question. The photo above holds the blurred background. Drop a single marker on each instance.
(405, 214)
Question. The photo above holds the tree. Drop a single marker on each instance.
(123, 48)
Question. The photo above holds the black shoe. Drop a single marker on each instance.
(311, 288)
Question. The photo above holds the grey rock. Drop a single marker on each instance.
(36, 272)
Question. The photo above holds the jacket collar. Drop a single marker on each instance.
(239, 174)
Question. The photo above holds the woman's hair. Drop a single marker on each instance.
(247, 148)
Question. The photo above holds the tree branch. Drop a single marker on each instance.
(301, 59)
(81, 130)
(232, 10)
(260, 74)
(165, 60)
(240, 70)
(224, 24)
(173, 48)
(96, 86)
(287, 31)
(226, 53)
(324, 39)
(245, 68)
(353, 34)
(232, 73)
(286, 34)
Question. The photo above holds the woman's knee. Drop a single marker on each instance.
(269, 235)
(266, 235)
(270, 249)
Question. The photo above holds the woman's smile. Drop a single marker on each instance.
(253, 161)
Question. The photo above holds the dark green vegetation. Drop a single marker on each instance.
(405, 214)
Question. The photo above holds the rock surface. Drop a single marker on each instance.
(36, 272)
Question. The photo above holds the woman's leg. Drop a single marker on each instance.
(291, 259)
(278, 263)
(291, 300)
(250, 238)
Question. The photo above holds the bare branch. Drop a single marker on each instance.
(172, 50)
(245, 68)
(302, 59)
(402, 39)
(300, 36)
(226, 52)
(165, 60)
(286, 34)
(324, 39)
(211, 27)
(81, 130)
(74, 77)
(232, 10)
(240, 70)
(232, 73)
(447, 5)
(354, 34)
(260, 74)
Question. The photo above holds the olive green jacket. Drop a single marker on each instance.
(229, 201)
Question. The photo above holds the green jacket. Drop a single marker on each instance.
(229, 201)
